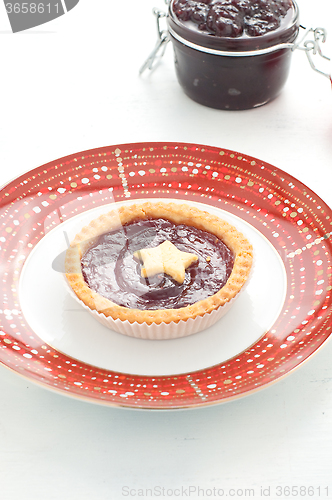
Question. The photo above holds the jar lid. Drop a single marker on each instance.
(187, 31)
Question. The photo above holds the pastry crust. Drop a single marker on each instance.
(178, 214)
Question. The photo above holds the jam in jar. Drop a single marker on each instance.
(232, 54)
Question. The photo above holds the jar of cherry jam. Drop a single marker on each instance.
(232, 54)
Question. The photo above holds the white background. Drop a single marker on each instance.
(72, 85)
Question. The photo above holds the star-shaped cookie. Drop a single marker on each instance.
(165, 258)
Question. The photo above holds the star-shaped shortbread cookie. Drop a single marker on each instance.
(165, 258)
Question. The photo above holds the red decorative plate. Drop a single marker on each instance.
(280, 320)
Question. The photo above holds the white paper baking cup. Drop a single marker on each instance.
(163, 331)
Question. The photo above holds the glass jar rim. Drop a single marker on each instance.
(210, 43)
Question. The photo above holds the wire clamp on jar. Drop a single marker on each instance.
(160, 47)
(312, 47)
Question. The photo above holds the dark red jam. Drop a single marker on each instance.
(110, 269)
(233, 18)
(232, 54)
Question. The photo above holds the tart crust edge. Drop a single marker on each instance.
(179, 214)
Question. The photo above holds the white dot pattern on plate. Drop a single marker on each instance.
(295, 221)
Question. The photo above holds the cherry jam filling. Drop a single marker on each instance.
(233, 18)
(110, 269)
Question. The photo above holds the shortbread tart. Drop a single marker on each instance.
(158, 263)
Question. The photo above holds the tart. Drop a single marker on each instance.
(158, 263)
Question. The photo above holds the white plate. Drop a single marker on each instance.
(62, 323)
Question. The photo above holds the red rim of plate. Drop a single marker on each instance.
(293, 218)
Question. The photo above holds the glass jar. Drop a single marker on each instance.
(232, 73)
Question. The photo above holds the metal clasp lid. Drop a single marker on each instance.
(313, 47)
(160, 47)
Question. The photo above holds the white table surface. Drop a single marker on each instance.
(71, 85)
